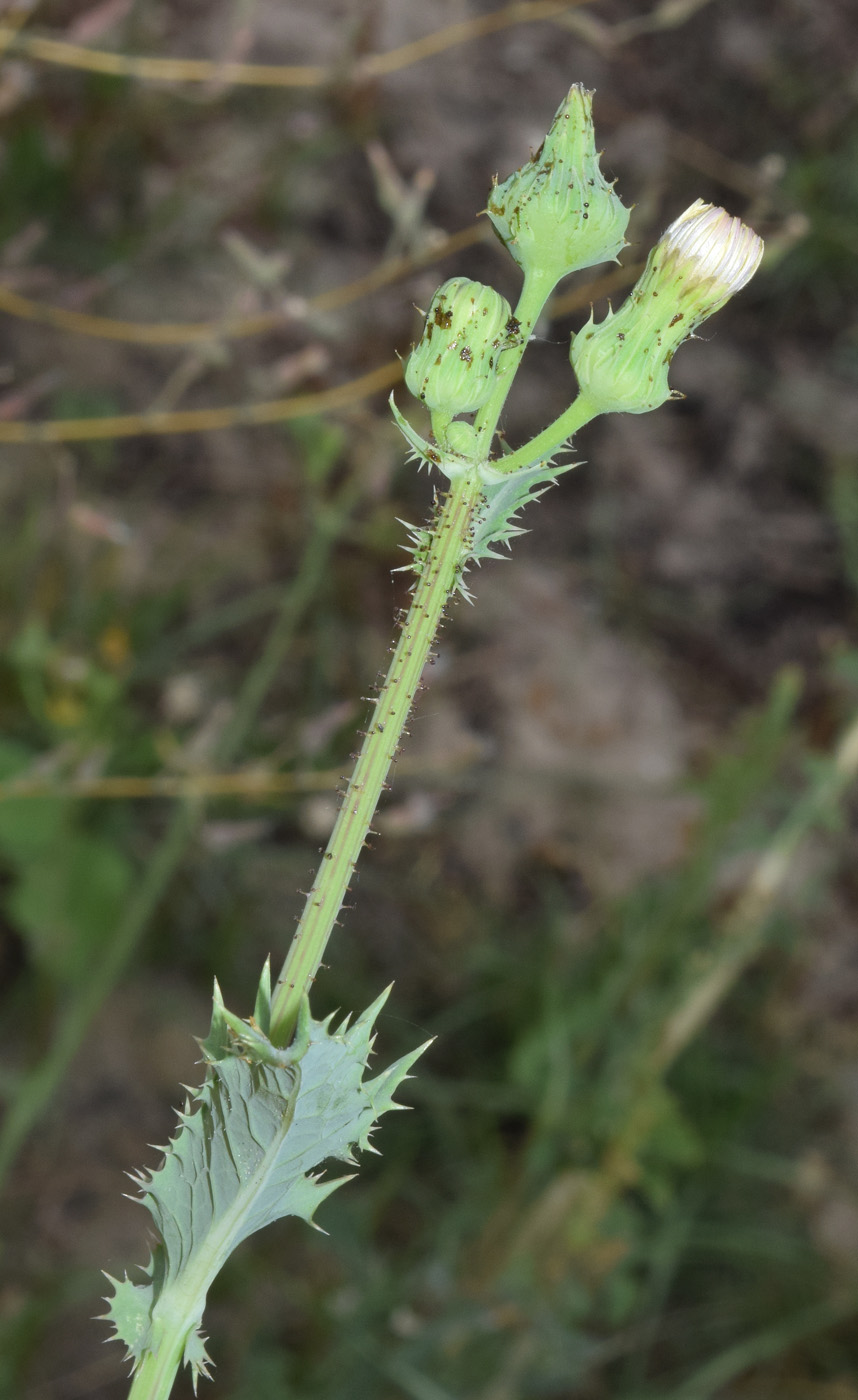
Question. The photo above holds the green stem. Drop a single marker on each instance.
(438, 579)
(551, 438)
(157, 1372)
(534, 294)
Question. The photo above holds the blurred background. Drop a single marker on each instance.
(617, 876)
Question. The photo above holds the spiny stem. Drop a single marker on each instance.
(447, 551)
(534, 294)
(154, 1378)
(551, 438)
(439, 576)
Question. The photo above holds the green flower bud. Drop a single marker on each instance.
(557, 213)
(698, 264)
(461, 439)
(454, 366)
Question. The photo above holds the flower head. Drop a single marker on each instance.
(698, 264)
(453, 367)
(558, 213)
(713, 250)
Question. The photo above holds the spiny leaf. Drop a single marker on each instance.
(196, 1356)
(128, 1311)
(452, 464)
(502, 500)
(504, 495)
(248, 1151)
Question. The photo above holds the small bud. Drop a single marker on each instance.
(461, 439)
(453, 367)
(557, 213)
(698, 264)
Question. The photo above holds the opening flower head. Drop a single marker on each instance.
(712, 250)
(702, 259)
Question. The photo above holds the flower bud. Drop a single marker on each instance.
(557, 213)
(703, 258)
(453, 367)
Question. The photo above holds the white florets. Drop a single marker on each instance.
(724, 249)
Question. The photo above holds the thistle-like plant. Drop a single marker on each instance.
(284, 1093)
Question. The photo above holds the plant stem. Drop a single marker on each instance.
(438, 579)
(157, 1372)
(545, 443)
(446, 555)
(534, 294)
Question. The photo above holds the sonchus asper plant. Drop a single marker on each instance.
(284, 1094)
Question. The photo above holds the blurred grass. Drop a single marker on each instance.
(631, 1171)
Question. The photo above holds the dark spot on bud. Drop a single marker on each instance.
(465, 354)
(680, 316)
(513, 326)
(443, 318)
